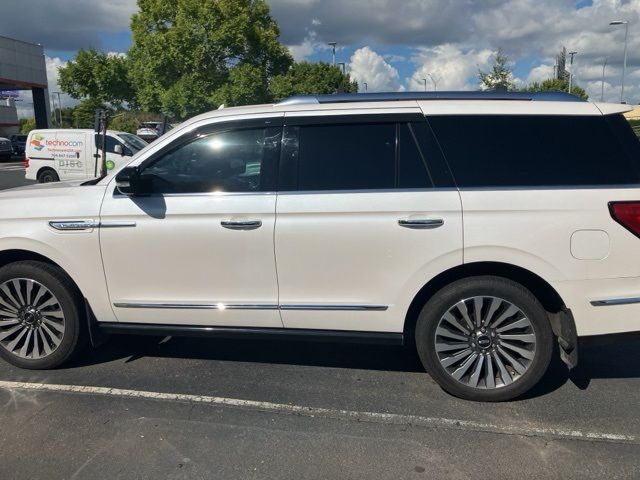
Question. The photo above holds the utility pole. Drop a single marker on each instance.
(571, 70)
(333, 47)
(604, 66)
(366, 87)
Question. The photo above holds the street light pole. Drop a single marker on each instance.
(435, 82)
(343, 65)
(425, 84)
(604, 66)
(366, 87)
(59, 107)
(624, 65)
(571, 70)
(333, 47)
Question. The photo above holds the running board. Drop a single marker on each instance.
(297, 334)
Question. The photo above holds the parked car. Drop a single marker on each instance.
(68, 154)
(5, 149)
(150, 131)
(18, 143)
(463, 222)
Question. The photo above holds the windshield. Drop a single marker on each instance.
(133, 142)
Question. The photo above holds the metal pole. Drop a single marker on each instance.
(366, 87)
(435, 83)
(571, 70)
(604, 66)
(59, 107)
(624, 65)
(333, 47)
(425, 84)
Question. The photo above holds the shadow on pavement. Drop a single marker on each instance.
(609, 360)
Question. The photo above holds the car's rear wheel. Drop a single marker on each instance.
(47, 176)
(485, 339)
(40, 316)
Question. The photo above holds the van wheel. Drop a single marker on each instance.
(484, 339)
(40, 316)
(47, 176)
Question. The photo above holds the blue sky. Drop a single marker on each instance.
(390, 44)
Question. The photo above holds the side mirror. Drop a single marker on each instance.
(119, 150)
(127, 179)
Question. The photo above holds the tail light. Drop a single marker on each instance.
(627, 214)
(26, 161)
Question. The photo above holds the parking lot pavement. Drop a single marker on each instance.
(12, 174)
(204, 408)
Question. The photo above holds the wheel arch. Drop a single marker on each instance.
(45, 168)
(539, 287)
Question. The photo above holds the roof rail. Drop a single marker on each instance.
(400, 96)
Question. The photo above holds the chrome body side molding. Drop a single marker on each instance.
(80, 225)
(248, 306)
(615, 301)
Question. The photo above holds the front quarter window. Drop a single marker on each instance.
(231, 161)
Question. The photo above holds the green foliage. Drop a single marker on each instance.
(557, 85)
(27, 124)
(85, 113)
(128, 120)
(97, 76)
(309, 78)
(501, 75)
(188, 56)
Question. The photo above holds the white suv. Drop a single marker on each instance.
(480, 226)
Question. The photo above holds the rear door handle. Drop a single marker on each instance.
(241, 224)
(421, 223)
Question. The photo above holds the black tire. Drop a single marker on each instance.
(69, 299)
(47, 176)
(485, 286)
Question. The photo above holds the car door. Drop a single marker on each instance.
(365, 218)
(198, 249)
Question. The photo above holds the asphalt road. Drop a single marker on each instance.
(138, 407)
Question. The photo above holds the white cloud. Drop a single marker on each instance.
(451, 67)
(25, 106)
(370, 67)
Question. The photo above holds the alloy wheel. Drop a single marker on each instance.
(485, 342)
(32, 323)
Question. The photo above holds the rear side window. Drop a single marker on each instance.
(346, 157)
(536, 151)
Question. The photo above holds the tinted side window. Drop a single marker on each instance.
(346, 157)
(229, 161)
(541, 150)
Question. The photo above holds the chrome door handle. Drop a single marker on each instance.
(421, 223)
(241, 224)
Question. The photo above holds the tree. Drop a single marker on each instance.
(85, 113)
(310, 78)
(557, 85)
(189, 56)
(26, 125)
(98, 76)
(500, 77)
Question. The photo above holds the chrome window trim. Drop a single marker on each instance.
(371, 190)
(250, 306)
(615, 301)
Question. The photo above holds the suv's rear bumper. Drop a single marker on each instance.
(603, 306)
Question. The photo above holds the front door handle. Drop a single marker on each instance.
(241, 224)
(421, 223)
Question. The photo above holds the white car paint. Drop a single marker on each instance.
(322, 248)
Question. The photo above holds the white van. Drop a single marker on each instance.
(69, 154)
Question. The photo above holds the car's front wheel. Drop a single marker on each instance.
(40, 317)
(484, 338)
